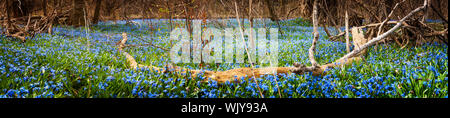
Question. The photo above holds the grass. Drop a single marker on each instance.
(71, 64)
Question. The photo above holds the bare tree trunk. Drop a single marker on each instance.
(77, 13)
(347, 34)
(283, 7)
(250, 17)
(274, 16)
(170, 15)
(354, 55)
(187, 16)
(98, 5)
(44, 7)
(316, 36)
(229, 75)
(8, 17)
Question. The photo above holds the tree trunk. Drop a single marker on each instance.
(170, 14)
(98, 4)
(77, 13)
(44, 7)
(8, 17)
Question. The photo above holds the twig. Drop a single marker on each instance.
(337, 36)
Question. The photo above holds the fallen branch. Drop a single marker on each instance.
(387, 18)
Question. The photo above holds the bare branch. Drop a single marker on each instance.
(382, 36)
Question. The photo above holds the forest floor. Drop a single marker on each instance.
(84, 63)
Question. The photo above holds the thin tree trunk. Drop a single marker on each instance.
(274, 16)
(316, 36)
(8, 17)
(170, 15)
(44, 7)
(347, 34)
